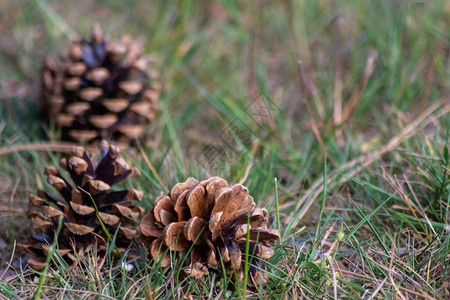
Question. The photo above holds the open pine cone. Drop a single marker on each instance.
(213, 218)
(81, 227)
(101, 88)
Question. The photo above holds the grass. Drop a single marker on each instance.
(344, 103)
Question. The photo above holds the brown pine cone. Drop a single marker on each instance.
(212, 219)
(89, 191)
(100, 89)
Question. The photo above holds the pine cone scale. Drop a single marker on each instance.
(196, 202)
(194, 229)
(148, 226)
(173, 236)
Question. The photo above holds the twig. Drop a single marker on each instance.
(55, 19)
(10, 261)
(390, 269)
(58, 147)
(309, 84)
(152, 168)
(277, 209)
(351, 105)
(349, 169)
(334, 278)
(247, 171)
(65, 289)
(379, 280)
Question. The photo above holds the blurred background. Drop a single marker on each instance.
(286, 89)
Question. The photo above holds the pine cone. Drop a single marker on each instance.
(213, 218)
(101, 89)
(81, 227)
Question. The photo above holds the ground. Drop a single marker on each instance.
(334, 114)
